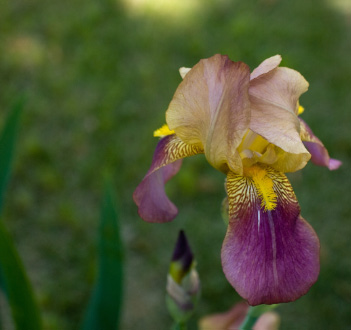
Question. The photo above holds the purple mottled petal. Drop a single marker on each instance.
(268, 256)
(319, 154)
(150, 195)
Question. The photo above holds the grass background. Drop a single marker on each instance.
(98, 76)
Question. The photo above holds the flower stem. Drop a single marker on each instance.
(249, 321)
(253, 314)
(179, 326)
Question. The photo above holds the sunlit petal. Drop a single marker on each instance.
(319, 153)
(211, 109)
(150, 196)
(269, 256)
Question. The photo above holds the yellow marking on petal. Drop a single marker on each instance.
(253, 142)
(163, 131)
(264, 186)
(300, 110)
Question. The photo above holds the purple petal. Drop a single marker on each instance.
(268, 256)
(182, 252)
(319, 154)
(151, 198)
(150, 195)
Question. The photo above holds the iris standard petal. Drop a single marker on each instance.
(183, 71)
(274, 97)
(150, 195)
(319, 153)
(266, 66)
(269, 256)
(211, 109)
(255, 149)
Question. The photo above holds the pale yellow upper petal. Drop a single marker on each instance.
(183, 71)
(266, 66)
(211, 109)
(274, 98)
(255, 149)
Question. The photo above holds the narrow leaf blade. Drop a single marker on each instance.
(7, 143)
(104, 308)
(18, 289)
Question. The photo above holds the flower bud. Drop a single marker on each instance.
(183, 284)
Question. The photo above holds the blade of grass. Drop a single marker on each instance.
(7, 143)
(104, 308)
(24, 309)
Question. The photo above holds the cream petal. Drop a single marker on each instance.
(274, 97)
(266, 66)
(211, 109)
(282, 87)
(183, 71)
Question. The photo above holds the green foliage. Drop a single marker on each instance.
(106, 302)
(7, 144)
(24, 310)
(13, 279)
(99, 77)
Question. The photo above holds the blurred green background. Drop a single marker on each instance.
(98, 77)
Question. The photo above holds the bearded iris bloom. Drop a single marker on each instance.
(247, 126)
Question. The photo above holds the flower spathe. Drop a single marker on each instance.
(183, 283)
(247, 126)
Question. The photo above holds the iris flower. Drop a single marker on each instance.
(247, 126)
(233, 318)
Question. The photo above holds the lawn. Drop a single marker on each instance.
(98, 77)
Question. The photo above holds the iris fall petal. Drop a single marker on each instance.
(150, 195)
(319, 154)
(268, 256)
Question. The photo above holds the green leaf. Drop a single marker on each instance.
(7, 143)
(13, 279)
(25, 312)
(104, 308)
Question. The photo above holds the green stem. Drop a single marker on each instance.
(253, 314)
(249, 321)
(179, 326)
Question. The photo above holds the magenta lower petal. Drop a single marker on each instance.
(268, 256)
(151, 198)
(319, 154)
(150, 195)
